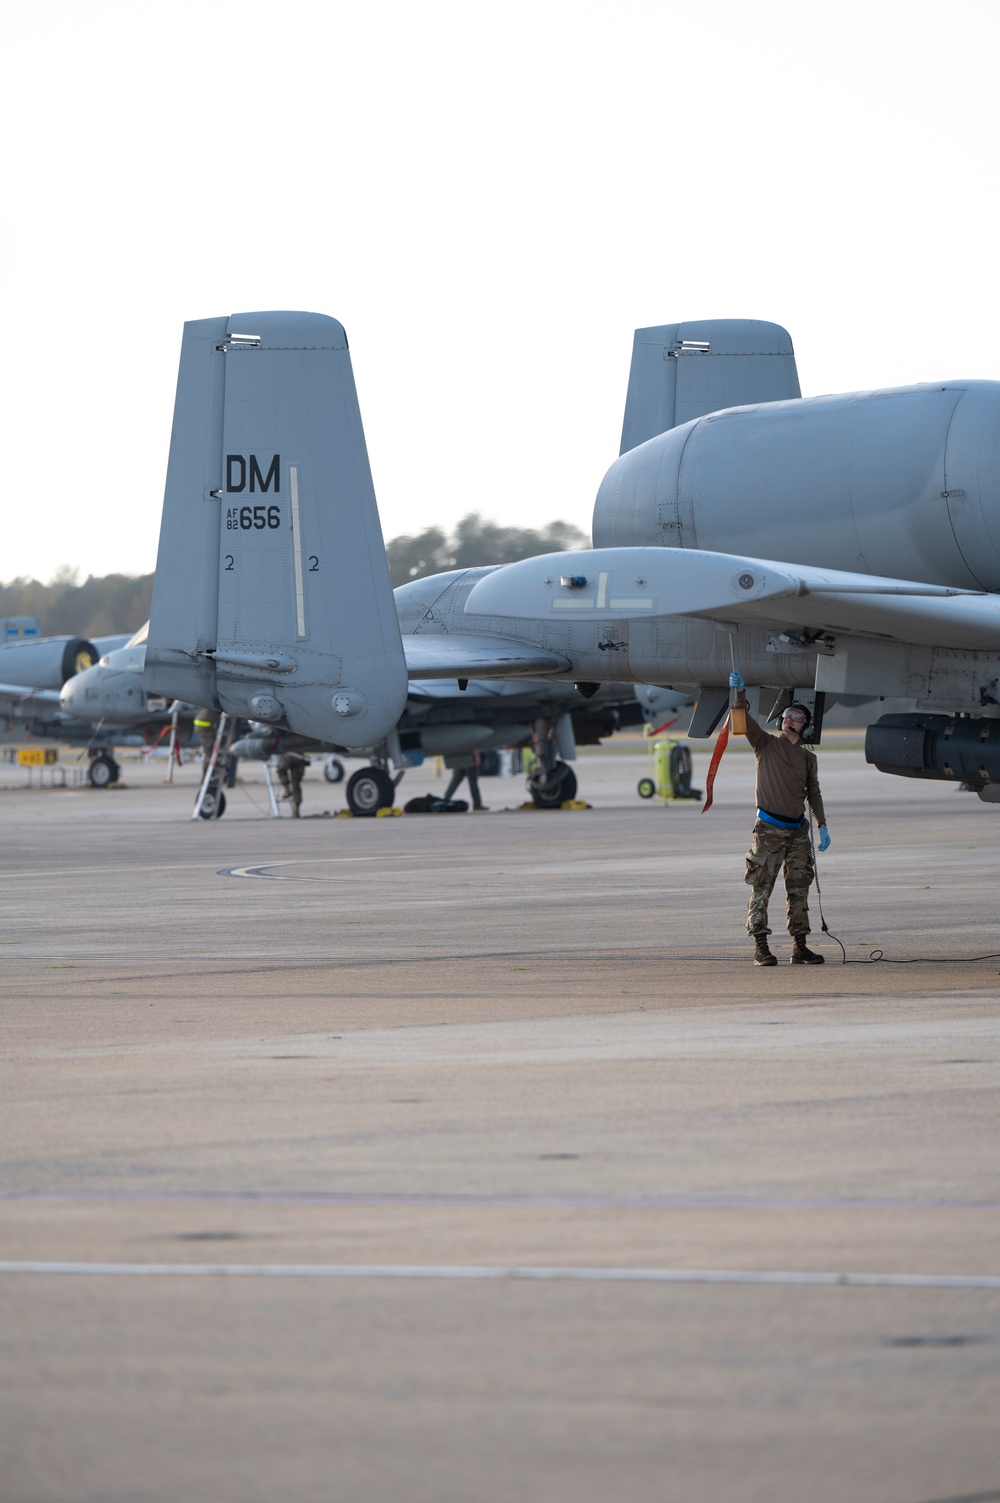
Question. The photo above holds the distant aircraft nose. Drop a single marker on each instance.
(105, 692)
(71, 697)
(91, 694)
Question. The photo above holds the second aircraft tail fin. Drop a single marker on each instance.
(272, 598)
(683, 371)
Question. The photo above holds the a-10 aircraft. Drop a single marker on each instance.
(33, 674)
(828, 546)
(439, 719)
(108, 696)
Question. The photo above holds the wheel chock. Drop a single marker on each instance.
(391, 812)
(570, 803)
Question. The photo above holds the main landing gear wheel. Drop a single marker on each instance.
(333, 770)
(549, 790)
(369, 790)
(103, 771)
(208, 804)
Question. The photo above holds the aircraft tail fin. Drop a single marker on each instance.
(683, 371)
(272, 598)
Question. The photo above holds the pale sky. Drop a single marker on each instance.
(490, 198)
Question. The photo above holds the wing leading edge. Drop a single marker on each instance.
(19, 693)
(609, 584)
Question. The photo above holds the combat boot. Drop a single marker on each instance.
(761, 953)
(801, 955)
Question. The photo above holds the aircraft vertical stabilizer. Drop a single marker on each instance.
(683, 371)
(272, 597)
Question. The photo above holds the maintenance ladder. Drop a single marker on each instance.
(211, 800)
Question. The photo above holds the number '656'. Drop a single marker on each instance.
(260, 517)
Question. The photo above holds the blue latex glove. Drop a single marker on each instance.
(736, 680)
(824, 838)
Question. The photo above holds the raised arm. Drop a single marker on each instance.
(756, 735)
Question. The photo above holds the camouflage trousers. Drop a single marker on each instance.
(291, 771)
(206, 735)
(775, 850)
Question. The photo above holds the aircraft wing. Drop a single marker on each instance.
(17, 693)
(454, 655)
(896, 610)
(831, 600)
(629, 583)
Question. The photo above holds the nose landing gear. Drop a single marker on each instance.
(103, 770)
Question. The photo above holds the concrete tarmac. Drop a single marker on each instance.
(467, 1158)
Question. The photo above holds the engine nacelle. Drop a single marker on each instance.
(45, 662)
(904, 482)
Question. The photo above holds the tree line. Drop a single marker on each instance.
(107, 604)
(102, 606)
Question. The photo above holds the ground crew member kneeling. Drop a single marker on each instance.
(787, 778)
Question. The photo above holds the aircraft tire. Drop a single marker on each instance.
(554, 791)
(369, 790)
(646, 787)
(333, 770)
(103, 771)
(207, 810)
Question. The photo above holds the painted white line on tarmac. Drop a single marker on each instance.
(457, 1271)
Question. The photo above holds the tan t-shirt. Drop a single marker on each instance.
(787, 775)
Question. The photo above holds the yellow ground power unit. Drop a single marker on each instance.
(669, 776)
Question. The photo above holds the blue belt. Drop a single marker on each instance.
(782, 824)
